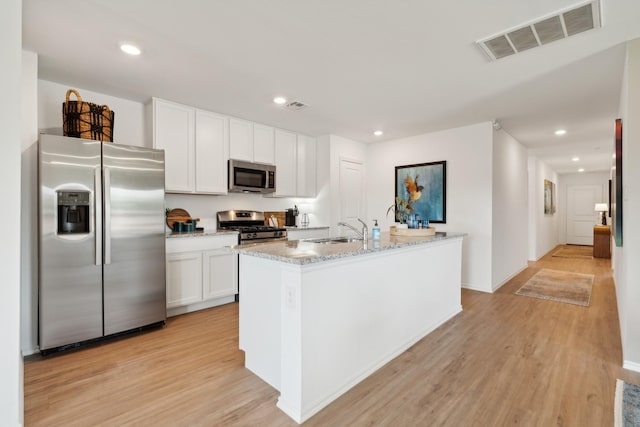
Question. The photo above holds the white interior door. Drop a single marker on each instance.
(351, 191)
(581, 217)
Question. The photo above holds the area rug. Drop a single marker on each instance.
(627, 405)
(561, 286)
(585, 252)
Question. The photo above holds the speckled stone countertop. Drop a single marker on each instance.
(312, 227)
(308, 252)
(205, 232)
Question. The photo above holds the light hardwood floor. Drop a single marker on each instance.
(505, 360)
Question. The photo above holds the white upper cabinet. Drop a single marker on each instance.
(240, 140)
(173, 131)
(251, 142)
(212, 152)
(263, 144)
(286, 163)
(196, 147)
(199, 143)
(306, 170)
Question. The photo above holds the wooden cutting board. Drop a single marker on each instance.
(178, 215)
(279, 215)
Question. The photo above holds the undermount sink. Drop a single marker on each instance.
(333, 240)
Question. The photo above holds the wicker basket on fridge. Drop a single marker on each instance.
(86, 120)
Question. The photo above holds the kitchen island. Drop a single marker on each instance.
(318, 317)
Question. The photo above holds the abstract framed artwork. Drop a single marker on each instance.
(421, 189)
(549, 197)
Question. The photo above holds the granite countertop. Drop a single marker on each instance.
(313, 227)
(205, 232)
(307, 252)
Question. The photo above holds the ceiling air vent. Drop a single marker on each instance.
(296, 105)
(559, 25)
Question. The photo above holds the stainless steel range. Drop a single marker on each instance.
(250, 227)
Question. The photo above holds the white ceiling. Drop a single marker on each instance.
(406, 67)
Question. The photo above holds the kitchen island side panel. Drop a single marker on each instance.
(334, 323)
(259, 317)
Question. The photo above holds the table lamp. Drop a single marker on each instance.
(602, 208)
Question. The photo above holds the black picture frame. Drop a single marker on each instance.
(429, 184)
(609, 205)
(616, 208)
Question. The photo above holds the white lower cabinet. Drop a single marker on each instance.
(219, 266)
(184, 279)
(201, 273)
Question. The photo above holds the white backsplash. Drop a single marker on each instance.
(205, 207)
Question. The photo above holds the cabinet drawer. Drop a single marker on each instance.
(200, 243)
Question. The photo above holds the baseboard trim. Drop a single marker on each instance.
(501, 284)
(632, 366)
(475, 288)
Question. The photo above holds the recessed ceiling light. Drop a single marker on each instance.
(560, 132)
(130, 49)
(575, 159)
(581, 170)
(280, 100)
(378, 133)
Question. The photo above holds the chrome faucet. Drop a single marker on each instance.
(362, 234)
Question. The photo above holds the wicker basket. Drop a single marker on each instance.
(86, 120)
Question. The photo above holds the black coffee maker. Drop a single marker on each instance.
(290, 217)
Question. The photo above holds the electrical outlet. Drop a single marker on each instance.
(290, 297)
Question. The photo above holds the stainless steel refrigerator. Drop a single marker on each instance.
(101, 240)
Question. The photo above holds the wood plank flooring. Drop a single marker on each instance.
(505, 360)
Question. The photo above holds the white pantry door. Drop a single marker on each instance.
(581, 217)
(351, 191)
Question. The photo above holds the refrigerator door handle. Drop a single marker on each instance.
(107, 216)
(97, 220)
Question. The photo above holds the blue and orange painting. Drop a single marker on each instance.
(423, 188)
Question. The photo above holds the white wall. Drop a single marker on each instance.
(129, 118)
(468, 152)
(627, 267)
(205, 207)
(565, 180)
(11, 391)
(543, 229)
(29, 205)
(510, 209)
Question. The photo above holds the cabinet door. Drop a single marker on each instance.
(263, 144)
(241, 139)
(286, 143)
(306, 171)
(220, 275)
(212, 152)
(184, 278)
(173, 131)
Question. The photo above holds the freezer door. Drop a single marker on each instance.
(70, 267)
(134, 237)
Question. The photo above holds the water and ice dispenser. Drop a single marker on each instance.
(73, 212)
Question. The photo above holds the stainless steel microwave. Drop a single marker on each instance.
(249, 177)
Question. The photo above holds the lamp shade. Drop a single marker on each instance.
(601, 207)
